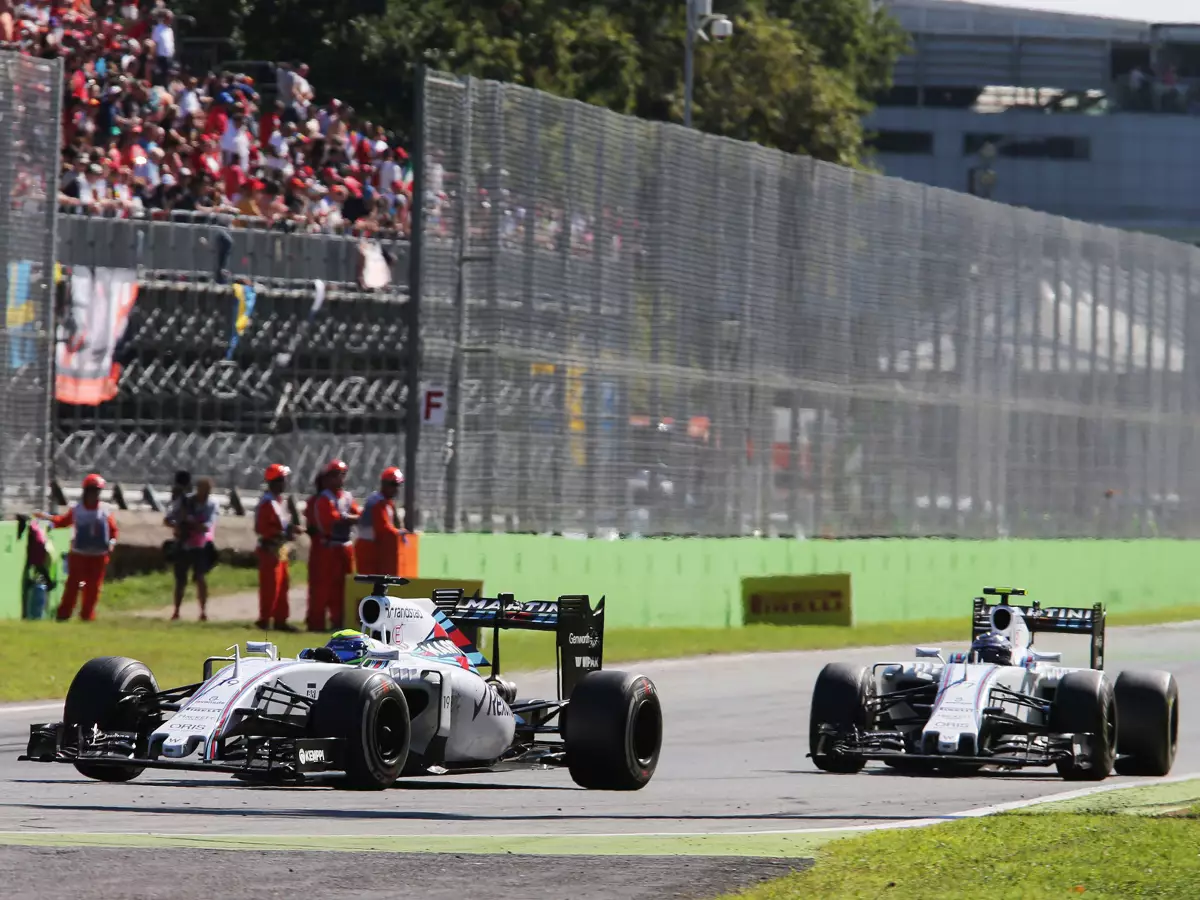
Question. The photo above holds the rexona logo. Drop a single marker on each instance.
(311, 756)
(586, 662)
(495, 706)
(590, 639)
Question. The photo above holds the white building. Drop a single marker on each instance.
(1055, 106)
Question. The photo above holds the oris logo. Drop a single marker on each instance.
(311, 756)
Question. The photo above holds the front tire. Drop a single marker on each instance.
(615, 733)
(368, 712)
(1148, 723)
(1085, 703)
(840, 699)
(94, 700)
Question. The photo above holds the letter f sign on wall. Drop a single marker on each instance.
(433, 406)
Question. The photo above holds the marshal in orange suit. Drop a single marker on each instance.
(95, 534)
(335, 515)
(378, 548)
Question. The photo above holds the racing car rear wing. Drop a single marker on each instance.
(579, 628)
(1089, 621)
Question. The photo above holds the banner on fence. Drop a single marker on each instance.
(100, 302)
(20, 320)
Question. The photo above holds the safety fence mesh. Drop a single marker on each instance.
(30, 96)
(313, 373)
(644, 329)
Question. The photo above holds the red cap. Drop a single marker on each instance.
(275, 472)
(335, 466)
(392, 475)
(93, 481)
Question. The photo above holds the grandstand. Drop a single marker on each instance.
(1086, 117)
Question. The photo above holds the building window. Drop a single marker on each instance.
(910, 142)
(1069, 148)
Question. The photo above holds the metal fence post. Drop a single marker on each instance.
(456, 434)
(50, 407)
(412, 406)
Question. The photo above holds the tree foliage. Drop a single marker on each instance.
(797, 74)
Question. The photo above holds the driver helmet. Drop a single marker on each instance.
(992, 648)
(349, 646)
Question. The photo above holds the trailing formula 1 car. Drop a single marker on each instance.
(403, 697)
(1002, 704)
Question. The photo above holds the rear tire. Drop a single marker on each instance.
(368, 711)
(615, 734)
(840, 699)
(93, 699)
(1148, 723)
(1085, 703)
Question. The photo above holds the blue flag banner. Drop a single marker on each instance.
(20, 316)
(243, 316)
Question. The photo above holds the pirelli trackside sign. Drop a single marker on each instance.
(797, 600)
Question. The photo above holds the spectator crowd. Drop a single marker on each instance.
(145, 137)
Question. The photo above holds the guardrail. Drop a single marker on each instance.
(220, 244)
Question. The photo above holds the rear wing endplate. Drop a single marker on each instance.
(1088, 620)
(578, 628)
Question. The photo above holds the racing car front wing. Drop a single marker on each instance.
(282, 757)
(1014, 753)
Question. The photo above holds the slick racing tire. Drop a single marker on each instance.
(1147, 723)
(613, 734)
(367, 711)
(94, 700)
(839, 699)
(1085, 702)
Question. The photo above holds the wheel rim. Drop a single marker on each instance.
(390, 736)
(646, 732)
(1110, 728)
(1174, 736)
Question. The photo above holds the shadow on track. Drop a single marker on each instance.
(417, 815)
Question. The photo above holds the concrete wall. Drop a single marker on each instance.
(697, 582)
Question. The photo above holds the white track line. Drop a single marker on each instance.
(915, 823)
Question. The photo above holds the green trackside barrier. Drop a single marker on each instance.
(12, 566)
(696, 582)
(12, 562)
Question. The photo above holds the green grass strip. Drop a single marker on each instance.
(1012, 856)
(1141, 799)
(155, 589)
(39, 659)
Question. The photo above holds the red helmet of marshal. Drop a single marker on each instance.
(276, 472)
(392, 475)
(93, 481)
(335, 467)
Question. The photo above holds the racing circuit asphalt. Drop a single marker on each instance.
(733, 761)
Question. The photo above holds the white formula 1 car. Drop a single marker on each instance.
(405, 697)
(1002, 704)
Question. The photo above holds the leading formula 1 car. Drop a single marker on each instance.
(405, 697)
(1002, 704)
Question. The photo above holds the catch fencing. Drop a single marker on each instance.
(317, 371)
(645, 329)
(30, 98)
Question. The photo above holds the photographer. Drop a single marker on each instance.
(194, 518)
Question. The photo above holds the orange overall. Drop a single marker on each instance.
(330, 565)
(95, 529)
(270, 524)
(377, 550)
